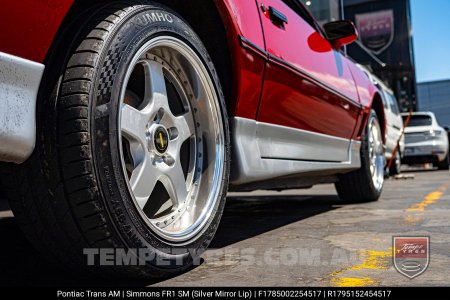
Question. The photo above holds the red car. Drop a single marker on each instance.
(123, 124)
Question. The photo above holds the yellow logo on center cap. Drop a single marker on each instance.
(161, 140)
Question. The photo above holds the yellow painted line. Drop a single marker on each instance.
(373, 260)
(354, 282)
(417, 210)
(379, 260)
(429, 199)
(413, 218)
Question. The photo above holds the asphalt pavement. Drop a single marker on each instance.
(291, 238)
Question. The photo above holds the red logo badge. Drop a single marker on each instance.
(411, 255)
(376, 30)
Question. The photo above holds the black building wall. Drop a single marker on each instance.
(385, 44)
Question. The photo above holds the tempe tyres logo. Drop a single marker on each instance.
(411, 255)
(376, 30)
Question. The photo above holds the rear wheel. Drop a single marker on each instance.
(366, 184)
(133, 151)
(395, 168)
(445, 164)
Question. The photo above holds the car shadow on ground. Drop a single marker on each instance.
(243, 218)
(246, 217)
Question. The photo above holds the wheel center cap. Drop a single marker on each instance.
(160, 139)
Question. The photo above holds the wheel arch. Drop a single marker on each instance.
(204, 16)
(378, 107)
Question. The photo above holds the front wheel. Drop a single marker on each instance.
(133, 153)
(366, 184)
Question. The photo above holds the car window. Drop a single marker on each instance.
(316, 15)
(300, 9)
(393, 103)
(419, 121)
(323, 11)
(385, 100)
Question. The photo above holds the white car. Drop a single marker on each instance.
(394, 123)
(426, 141)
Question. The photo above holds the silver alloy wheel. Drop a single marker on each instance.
(376, 154)
(172, 135)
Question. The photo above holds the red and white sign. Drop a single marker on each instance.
(411, 255)
(376, 30)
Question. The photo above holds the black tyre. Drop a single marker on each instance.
(445, 164)
(366, 184)
(395, 168)
(133, 145)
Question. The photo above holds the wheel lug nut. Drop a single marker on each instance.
(169, 160)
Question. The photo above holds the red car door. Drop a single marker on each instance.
(308, 89)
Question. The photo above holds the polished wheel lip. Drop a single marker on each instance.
(376, 154)
(204, 81)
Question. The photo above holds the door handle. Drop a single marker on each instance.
(277, 16)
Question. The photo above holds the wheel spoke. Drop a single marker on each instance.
(185, 126)
(175, 184)
(137, 153)
(155, 87)
(133, 124)
(143, 181)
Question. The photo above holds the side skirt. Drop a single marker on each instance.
(280, 152)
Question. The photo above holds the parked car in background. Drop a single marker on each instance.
(447, 129)
(394, 123)
(426, 141)
(119, 119)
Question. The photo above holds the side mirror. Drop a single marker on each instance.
(340, 33)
